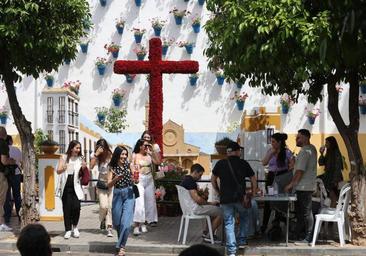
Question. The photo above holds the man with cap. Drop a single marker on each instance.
(230, 195)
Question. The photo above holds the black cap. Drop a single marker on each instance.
(233, 146)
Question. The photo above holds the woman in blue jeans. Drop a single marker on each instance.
(119, 177)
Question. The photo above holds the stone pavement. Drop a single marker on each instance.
(161, 240)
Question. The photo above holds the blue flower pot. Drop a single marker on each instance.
(115, 54)
(157, 31)
(49, 82)
(103, 2)
(284, 109)
(363, 88)
(138, 3)
(3, 119)
(311, 120)
(138, 38)
(186, 0)
(129, 79)
(140, 57)
(240, 105)
(201, 2)
(117, 102)
(239, 85)
(178, 20)
(164, 49)
(220, 80)
(119, 30)
(101, 69)
(196, 28)
(193, 80)
(363, 110)
(67, 61)
(84, 48)
(101, 118)
(189, 48)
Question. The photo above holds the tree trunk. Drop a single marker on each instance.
(29, 212)
(349, 134)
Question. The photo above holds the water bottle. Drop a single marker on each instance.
(275, 188)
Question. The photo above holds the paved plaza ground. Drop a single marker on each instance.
(161, 240)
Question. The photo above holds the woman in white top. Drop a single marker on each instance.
(101, 158)
(146, 135)
(69, 167)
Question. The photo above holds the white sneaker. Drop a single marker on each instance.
(143, 228)
(109, 232)
(67, 234)
(136, 231)
(76, 233)
(4, 227)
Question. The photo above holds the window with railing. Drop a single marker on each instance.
(61, 110)
(49, 110)
(69, 111)
(76, 113)
(61, 141)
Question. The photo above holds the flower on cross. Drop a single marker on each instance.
(239, 96)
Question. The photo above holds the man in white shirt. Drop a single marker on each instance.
(14, 182)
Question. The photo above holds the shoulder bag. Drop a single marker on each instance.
(245, 199)
(84, 176)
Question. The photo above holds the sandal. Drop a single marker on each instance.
(121, 252)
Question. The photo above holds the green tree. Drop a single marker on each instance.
(116, 120)
(298, 47)
(35, 36)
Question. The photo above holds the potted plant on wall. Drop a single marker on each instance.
(193, 79)
(138, 3)
(117, 96)
(138, 33)
(112, 48)
(188, 45)
(73, 86)
(101, 114)
(3, 115)
(222, 144)
(285, 101)
(240, 99)
(362, 104)
(201, 2)
(165, 45)
(220, 77)
(157, 25)
(130, 78)
(49, 80)
(84, 44)
(101, 64)
(120, 25)
(49, 146)
(178, 15)
(312, 114)
(196, 23)
(140, 51)
(103, 2)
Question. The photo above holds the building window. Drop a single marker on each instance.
(61, 110)
(77, 136)
(76, 114)
(70, 111)
(50, 134)
(49, 110)
(61, 141)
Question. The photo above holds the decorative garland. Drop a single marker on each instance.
(155, 67)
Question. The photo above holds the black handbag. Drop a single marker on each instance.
(102, 185)
(136, 191)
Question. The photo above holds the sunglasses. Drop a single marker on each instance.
(147, 146)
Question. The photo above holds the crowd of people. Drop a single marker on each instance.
(126, 189)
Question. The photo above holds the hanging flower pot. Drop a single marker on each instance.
(363, 109)
(178, 20)
(239, 85)
(138, 3)
(141, 56)
(101, 118)
(67, 61)
(311, 120)
(193, 80)
(164, 49)
(119, 29)
(240, 105)
(117, 101)
(363, 88)
(220, 80)
(84, 47)
(138, 38)
(189, 48)
(103, 2)
(3, 119)
(49, 82)
(196, 27)
(284, 108)
(101, 69)
(115, 54)
(157, 31)
(130, 78)
(201, 2)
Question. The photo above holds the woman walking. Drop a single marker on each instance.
(145, 208)
(101, 158)
(119, 177)
(71, 192)
(146, 135)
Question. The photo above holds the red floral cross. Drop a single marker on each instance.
(155, 67)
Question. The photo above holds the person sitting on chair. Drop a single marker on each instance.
(203, 207)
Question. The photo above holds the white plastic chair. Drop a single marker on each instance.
(186, 204)
(337, 214)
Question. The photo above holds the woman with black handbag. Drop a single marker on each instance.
(101, 158)
(69, 167)
(120, 178)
